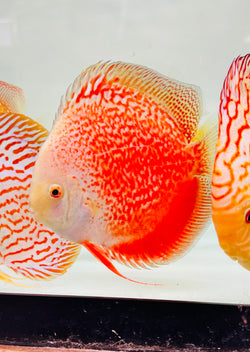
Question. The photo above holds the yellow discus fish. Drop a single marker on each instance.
(231, 175)
(26, 246)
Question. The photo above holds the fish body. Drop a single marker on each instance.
(121, 171)
(231, 175)
(26, 247)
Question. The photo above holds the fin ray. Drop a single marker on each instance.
(10, 280)
(11, 98)
(204, 143)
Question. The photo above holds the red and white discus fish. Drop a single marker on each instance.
(231, 176)
(122, 171)
(26, 246)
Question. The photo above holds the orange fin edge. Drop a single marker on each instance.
(99, 253)
(9, 279)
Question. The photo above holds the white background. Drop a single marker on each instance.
(45, 44)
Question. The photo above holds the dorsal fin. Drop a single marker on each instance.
(11, 98)
(182, 101)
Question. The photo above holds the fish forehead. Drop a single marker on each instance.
(25, 245)
(231, 179)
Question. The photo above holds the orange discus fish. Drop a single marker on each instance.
(231, 176)
(26, 246)
(122, 171)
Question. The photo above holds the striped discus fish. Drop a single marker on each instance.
(231, 176)
(26, 246)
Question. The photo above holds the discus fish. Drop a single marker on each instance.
(26, 247)
(122, 171)
(231, 175)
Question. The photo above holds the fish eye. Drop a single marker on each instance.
(55, 191)
(247, 216)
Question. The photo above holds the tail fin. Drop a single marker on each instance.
(204, 143)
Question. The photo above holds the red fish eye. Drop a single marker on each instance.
(55, 191)
(247, 216)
